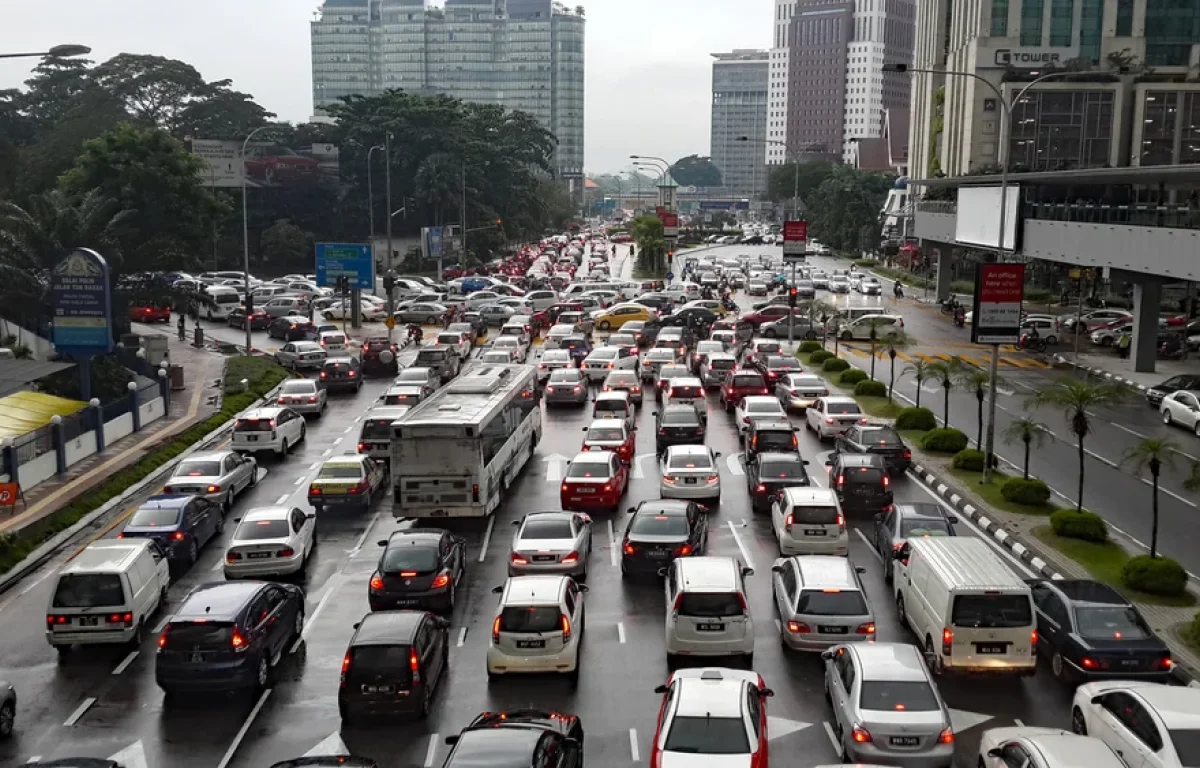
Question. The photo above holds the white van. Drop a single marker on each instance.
(681, 293)
(575, 290)
(107, 594)
(966, 606)
(707, 611)
(224, 300)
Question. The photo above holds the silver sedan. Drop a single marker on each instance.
(218, 477)
(301, 354)
(303, 396)
(551, 542)
(690, 472)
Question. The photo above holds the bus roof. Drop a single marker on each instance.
(473, 397)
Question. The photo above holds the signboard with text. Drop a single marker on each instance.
(795, 240)
(350, 260)
(82, 299)
(725, 205)
(670, 223)
(1000, 289)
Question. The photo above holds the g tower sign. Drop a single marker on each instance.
(1038, 57)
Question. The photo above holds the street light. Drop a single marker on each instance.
(246, 239)
(371, 197)
(57, 52)
(1006, 121)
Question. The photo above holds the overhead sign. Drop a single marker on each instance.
(725, 205)
(1025, 57)
(432, 240)
(82, 298)
(222, 162)
(999, 291)
(670, 223)
(350, 260)
(795, 240)
(266, 164)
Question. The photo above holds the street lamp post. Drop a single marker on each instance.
(387, 262)
(246, 239)
(57, 52)
(371, 198)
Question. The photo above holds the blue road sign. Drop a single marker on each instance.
(82, 297)
(351, 260)
(670, 275)
(435, 241)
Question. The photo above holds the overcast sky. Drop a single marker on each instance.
(649, 72)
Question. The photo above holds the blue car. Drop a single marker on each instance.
(179, 522)
(578, 346)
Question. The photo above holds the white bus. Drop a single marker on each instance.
(457, 453)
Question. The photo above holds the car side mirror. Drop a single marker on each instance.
(382, 542)
(747, 570)
(661, 689)
(516, 522)
(899, 554)
(631, 510)
(662, 572)
(451, 740)
(828, 655)
(311, 515)
(237, 520)
(804, 462)
(859, 569)
(952, 519)
(995, 752)
(357, 624)
(766, 693)
(776, 569)
(498, 590)
(829, 462)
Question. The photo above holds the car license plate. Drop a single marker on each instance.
(905, 741)
(710, 627)
(89, 621)
(543, 558)
(831, 629)
(864, 491)
(379, 689)
(990, 647)
(585, 489)
(258, 555)
(1131, 662)
(252, 438)
(814, 531)
(658, 553)
(531, 643)
(690, 480)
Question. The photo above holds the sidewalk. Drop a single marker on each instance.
(199, 399)
(1112, 367)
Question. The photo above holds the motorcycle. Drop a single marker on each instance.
(1028, 341)
(949, 306)
(960, 318)
(415, 334)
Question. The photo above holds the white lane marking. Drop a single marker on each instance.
(1019, 723)
(362, 538)
(621, 631)
(870, 546)
(219, 564)
(311, 620)
(746, 559)
(162, 624)
(241, 734)
(124, 665)
(462, 637)
(487, 537)
(50, 572)
(432, 751)
(314, 465)
(34, 759)
(612, 544)
(299, 480)
(979, 532)
(638, 473)
(282, 498)
(327, 452)
(634, 755)
(347, 429)
(1124, 428)
(833, 739)
(337, 441)
(733, 465)
(80, 711)
(778, 626)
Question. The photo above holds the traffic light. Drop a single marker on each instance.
(792, 297)
(389, 283)
(499, 222)
(670, 255)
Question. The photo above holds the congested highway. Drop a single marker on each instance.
(104, 703)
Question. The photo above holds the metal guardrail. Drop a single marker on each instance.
(937, 206)
(1173, 216)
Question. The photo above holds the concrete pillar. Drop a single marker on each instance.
(60, 445)
(98, 418)
(944, 272)
(1143, 349)
(11, 465)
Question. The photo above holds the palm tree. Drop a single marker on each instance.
(921, 370)
(1077, 400)
(873, 337)
(1028, 431)
(896, 342)
(946, 371)
(979, 382)
(1152, 455)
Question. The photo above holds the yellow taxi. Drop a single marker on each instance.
(716, 307)
(619, 314)
(349, 480)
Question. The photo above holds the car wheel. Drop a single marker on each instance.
(1196, 428)
(811, 335)
(453, 597)
(603, 325)
(262, 675)
(1166, 417)
(227, 503)
(1078, 723)
(329, 316)
(303, 431)
(220, 526)
(1051, 339)
(298, 627)
(135, 642)
(254, 477)
(847, 336)
(770, 333)
(900, 608)
(193, 553)
(431, 320)
(1062, 672)
(283, 449)
(8, 717)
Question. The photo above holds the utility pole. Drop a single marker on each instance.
(463, 212)
(387, 176)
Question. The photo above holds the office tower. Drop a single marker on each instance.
(739, 109)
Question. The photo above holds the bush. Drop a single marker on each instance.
(820, 356)
(969, 459)
(1038, 296)
(1027, 493)
(1084, 525)
(852, 377)
(916, 418)
(870, 388)
(1155, 575)
(834, 365)
(962, 286)
(944, 440)
(865, 263)
(812, 345)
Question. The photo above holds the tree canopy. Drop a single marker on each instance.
(786, 180)
(845, 204)
(696, 171)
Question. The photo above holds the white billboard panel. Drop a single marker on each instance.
(977, 221)
(222, 160)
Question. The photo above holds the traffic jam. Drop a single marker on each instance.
(588, 504)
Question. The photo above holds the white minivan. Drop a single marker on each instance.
(968, 609)
(707, 611)
(224, 299)
(107, 594)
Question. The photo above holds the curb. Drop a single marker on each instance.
(51, 546)
(1003, 537)
(1100, 372)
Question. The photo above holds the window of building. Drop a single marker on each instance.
(1125, 18)
(1062, 19)
(1159, 126)
(1031, 22)
(1172, 27)
(1062, 130)
(1091, 29)
(999, 18)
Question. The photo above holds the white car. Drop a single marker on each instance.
(711, 717)
(1149, 725)
(538, 627)
(602, 361)
(557, 334)
(304, 396)
(515, 345)
(552, 360)
(551, 542)
(480, 299)
(459, 342)
(839, 284)
(301, 354)
(342, 310)
(275, 429)
(541, 300)
(605, 298)
(218, 477)
(690, 472)
(333, 341)
(270, 541)
(757, 408)
(829, 416)
(1182, 408)
(1043, 748)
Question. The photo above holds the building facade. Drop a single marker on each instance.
(519, 54)
(1131, 96)
(740, 82)
(777, 89)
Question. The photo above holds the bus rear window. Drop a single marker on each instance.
(996, 611)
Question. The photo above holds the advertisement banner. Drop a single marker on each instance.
(795, 240)
(999, 291)
(82, 299)
(670, 224)
(725, 205)
(266, 164)
(351, 260)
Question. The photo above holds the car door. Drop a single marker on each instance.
(786, 584)
(277, 623)
(1049, 610)
(885, 523)
(842, 691)
(287, 353)
(302, 528)
(234, 471)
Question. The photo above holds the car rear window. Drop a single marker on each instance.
(747, 380)
(155, 516)
(898, 696)
(781, 470)
(199, 634)
(815, 514)
(680, 418)
(253, 425)
(841, 407)
(340, 472)
(431, 356)
(722, 364)
(831, 602)
(690, 462)
(547, 529)
(995, 611)
(606, 433)
(916, 527)
(885, 436)
(251, 530)
(405, 557)
(88, 590)
(198, 468)
(585, 470)
(392, 661)
(536, 618)
(377, 429)
(659, 525)
(862, 475)
(767, 349)
(1110, 622)
(775, 441)
(783, 363)
(336, 367)
(710, 604)
(687, 392)
(297, 387)
(764, 406)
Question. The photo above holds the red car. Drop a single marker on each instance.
(273, 164)
(149, 315)
(549, 316)
(595, 480)
(765, 315)
(739, 383)
(610, 435)
(712, 716)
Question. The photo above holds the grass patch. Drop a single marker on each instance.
(1104, 562)
(262, 374)
(912, 436)
(879, 407)
(990, 492)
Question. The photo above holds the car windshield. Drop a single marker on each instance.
(1110, 622)
(917, 527)
(690, 461)
(605, 433)
(898, 696)
(835, 407)
(340, 472)
(659, 525)
(250, 530)
(406, 557)
(778, 469)
(198, 468)
(152, 517)
(681, 417)
(831, 602)
(298, 387)
(88, 590)
(992, 611)
(547, 529)
(588, 470)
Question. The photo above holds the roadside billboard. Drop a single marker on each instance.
(1000, 289)
(795, 240)
(266, 164)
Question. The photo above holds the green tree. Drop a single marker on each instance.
(1078, 400)
(155, 90)
(946, 371)
(227, 114)
(921, 370)
(651, 246)
(696, 171)
(1029, 432)
(979, 383)
(285, 243)
(844, 204)
(783, 181)
(1152, 455)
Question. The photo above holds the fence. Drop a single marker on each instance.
(1174, 216)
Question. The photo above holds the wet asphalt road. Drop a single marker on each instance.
(104, 702)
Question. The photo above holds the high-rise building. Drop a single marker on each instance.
(777, 91)
(739, 109)
(1106, 114)
(519, 54)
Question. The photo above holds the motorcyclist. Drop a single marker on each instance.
(415, 333)
(960, 315)
(898, 290)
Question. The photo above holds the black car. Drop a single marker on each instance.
(658, 301)
(770, 437)
(1155, 394)
(418, 569)
(677, 425)
(394, 664)
(659, 531)
(1089, 631)
(881, 440)
(379, 357)
(699, 319)
(894, 526)
(226, 635)
(769, 473)
(328, 761)
(259, 319)
(180, 523)
(340, 373)
(860, 481)
(775, 367)
(518, 739)
(289, 329)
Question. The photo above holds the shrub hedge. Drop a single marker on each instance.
(852, 377)
(1155, 575)
(944, 440)
(1084, 525)
(820, 356)
(812, 345)
(1027, 493)
(870, 388)
(916, 418)
(969, 459)
(834, 365)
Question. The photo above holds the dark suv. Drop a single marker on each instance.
(771, 436)
(341, 373)
(225, 636)
(395, 663)
(860, 481)
(379, 357)
(769, 473)
(881, 440)
(518, 739)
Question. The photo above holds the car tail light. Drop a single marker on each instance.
(628, 548)
(121, 618)
(475, 493)
(863, 421)
(1088, 663)
(841, 521)
(678, 602)
(947, 642)
(1165, 662)
(280, 401)
(324, 375)
(377, 583)
(571, 559)
(312, 400)
(364, 448)
(51, 620)
(825, 393)
(496, 630)
(415, 665)
(162, 638)
(213, 489)
(866, 629)
(684, 551)
(635, 390)
(713, 478)
(742, 601)
(668, 480)
(238, 641)
(361, 487)
(577, 389)
(1033, 638)
(841, 480)
(566, 628)
(177, 536)
(314, 490)
(607, 487)
(789, 521)
(946, 736)
(860, 735)
(285, 552)
(518, 560)
(232, 557)
(887, 482)
(828, 421)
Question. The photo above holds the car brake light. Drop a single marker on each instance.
(865, 629)
(946, 736)
(280, 401)
(862, 421)
(798, 627)
(314, 490)
(860, 735)
(312, 400)
(571, 559)
(518, 560)
(214, 489)
(841, 480)
(947, 642)
(566, 628)
(684, 551)
(607, 487)
(825, 393)
(678, 602)
(177, 536)
(363, 448)
(376, 583)
(324, 375)
(238, 642)
(1033, 640)
(713, 478)
(742, 601)
(841, 521)
(496, 630)
(908, 454)
(828, 421)
(887, 482)
(475, 493)
(345, 664)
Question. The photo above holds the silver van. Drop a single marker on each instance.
(707, 611)
(821, 602)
